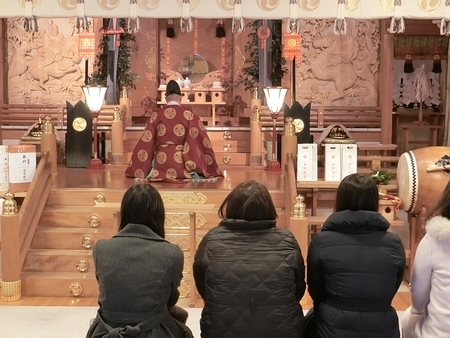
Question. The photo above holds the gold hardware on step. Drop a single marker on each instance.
(76, 289)
(11, 291)
(10, 204)
(87, 242)
(94, 221)
(227, 159)
(99, 199)
(227, 135)
(227, 147)
(82, 265)
(299, 207)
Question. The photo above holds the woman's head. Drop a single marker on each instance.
(250, 201)
(142, 204)
(442, 207)
(357, 192)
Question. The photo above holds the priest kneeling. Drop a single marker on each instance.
(174, 146)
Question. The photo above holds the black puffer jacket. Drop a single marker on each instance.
(354, 270)
(251, 276)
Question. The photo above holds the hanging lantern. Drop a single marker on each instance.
(292, 47)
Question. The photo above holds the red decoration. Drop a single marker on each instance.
(292, 47)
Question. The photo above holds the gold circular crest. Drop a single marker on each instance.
(308, 5)
(268, 5)
(68, 4)
(299, 125)
(148, 5)
(79, 124)
(428, 5)
(35, 3)
(108, 5)
(226, 5)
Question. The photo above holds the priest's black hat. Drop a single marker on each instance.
(173, 88)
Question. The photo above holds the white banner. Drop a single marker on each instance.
(221, 9)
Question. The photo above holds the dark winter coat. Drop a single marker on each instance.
(138, 273)
(251, 276)
(355, 267)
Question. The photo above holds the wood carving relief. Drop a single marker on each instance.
(339, 69)
(44, 66)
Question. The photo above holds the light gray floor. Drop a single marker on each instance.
(58, 322)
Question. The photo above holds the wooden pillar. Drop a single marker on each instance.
(386, 82)
(10, 244)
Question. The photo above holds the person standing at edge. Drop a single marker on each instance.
(429, 314)
(174, 146)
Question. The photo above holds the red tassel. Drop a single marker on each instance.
(437, 68)
(170, 32)
(220, 29)
(408, 67)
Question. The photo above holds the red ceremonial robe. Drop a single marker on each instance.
(174, 144)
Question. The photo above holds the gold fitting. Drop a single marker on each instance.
(227, 159)
(99, 199)
(299, 207)
(227, 135)
(289, 128)
(11, 291)
(48, 127)
(255, 93)
(82, 265)
(87, 242)
(256, 116)
(10, 204)
(117, 115)
(94, 221)
(76, 289)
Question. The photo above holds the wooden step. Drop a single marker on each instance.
(58, 284)
(68, 238)
(86, 197)
(57, 260)
(78, 217)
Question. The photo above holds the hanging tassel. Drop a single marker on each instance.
(220, 29)
(170, 32)
(408, 67)
(437, 68)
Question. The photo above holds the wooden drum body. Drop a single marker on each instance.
(417, 187)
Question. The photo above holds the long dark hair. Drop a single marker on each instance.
(142, 204)
(442, 207)
(357, 192)
(250, 201)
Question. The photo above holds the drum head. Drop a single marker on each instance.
(407, 181)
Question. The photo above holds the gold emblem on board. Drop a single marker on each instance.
(79, 124)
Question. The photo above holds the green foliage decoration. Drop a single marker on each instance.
(125, 78)
(381, 176)
(249, 75)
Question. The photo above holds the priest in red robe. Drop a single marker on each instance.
(174, 146)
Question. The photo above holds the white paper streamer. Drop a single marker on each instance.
(397, 22)
(293, 23)
(29, 21)
(237, 24)
(134, 24)
(82, 21)
(186, 20)
(340, 24)
(445, 22)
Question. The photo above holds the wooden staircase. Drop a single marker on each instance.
(59, 262)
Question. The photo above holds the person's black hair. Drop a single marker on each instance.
(249, 201)
(173, 88)
(357, 192)
(142, 204)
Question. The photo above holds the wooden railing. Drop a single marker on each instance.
(18, 229)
